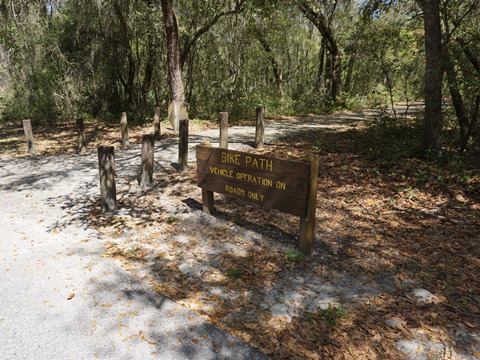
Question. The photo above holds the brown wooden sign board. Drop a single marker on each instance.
(286, 185)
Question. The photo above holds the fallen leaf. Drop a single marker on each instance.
(71, 296)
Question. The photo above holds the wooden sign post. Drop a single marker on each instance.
(286, 185)
(124, 129)
(146, 170)
(260, 128)
(82, 140)
(177, 112)
(27, 129)
(106, 167)
(183, 146)
(157, 128)
(224, 130)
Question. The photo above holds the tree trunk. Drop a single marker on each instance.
(173, 51)
(336, 74)
(129, 85)
(458, 103)
(349, 77)
(277, 72)
(323, 25)
(320, 84)
(433, 78)
(149, 68)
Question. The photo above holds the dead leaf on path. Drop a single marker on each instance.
(71, 296)
(195, 341)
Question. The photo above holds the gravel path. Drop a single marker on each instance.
(60, 299)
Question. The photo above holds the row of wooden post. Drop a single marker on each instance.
(106, 154)
(82, 140)
(106, 167)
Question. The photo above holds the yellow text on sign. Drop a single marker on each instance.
(253, 162)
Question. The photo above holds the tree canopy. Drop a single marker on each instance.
(64, 59)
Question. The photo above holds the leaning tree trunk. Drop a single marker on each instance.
(433, 77)
(315, 15)
(173, 51)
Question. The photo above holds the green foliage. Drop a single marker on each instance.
(329, 315)
(171, 219)
(234, 273)
(96, 59)
(293, 256)
(390, 139)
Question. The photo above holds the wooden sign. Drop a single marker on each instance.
(176, 112)
(286, 185)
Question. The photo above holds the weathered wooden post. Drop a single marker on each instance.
(82, 142)
(146, 174)
(224, 130)
(106, 166)
(124, 129)
(183, 146)
(260, 128)
(27, 129)
(307, 223)
(207, 195)
(157, 129)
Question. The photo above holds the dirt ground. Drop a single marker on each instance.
(395, 271)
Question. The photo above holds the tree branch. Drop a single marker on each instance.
(204, 29)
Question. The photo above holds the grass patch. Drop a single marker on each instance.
(329, 316)
(293, 256)
(234, 273)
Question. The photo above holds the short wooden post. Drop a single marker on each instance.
(27, 129)
(106, 166)
(124, 129)
(157, 129)
(260, 128)
(82, 141)
(146, 174)
(207, 195)
(183, 146)
(224, 130)
(307, 223)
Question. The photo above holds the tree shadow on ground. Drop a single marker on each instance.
(374, 244)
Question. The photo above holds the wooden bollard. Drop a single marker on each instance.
(307, 223)
(27, 129)
(124, 129)
(260, 128)
(157, 129)
(208, 201)
(82, 141)
(106, 166)
(146, 174)
(224, 130)
(183, 146)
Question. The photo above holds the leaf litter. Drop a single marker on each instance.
(383, 230)
(377, 239)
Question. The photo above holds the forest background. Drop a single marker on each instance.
(65, 59)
